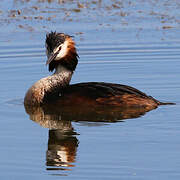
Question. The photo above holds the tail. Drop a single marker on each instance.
(166, 103)
(162, 103)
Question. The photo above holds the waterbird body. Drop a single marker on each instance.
(63, 58)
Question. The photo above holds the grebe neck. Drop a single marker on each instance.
(61, 70)
(61, 77)
(44, 89)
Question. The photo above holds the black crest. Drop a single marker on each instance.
(54, 39)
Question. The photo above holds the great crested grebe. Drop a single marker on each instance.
(63, 58)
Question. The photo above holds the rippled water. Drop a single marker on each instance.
(145, 147)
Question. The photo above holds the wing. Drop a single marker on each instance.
(101, 89)
(100, 93)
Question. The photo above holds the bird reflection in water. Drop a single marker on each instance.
(61, 151)
(63, 142)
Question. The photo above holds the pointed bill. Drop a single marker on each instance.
(51, 58)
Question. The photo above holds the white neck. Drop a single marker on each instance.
(62, 70)
(61, 78)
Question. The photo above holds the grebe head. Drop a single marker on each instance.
(60, 50)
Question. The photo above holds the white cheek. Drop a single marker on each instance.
(63, 50)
